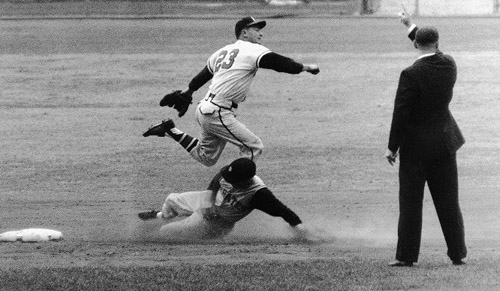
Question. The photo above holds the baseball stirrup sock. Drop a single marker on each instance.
(185, 140)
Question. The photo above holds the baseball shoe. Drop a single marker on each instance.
(458, 262)
(152, 214)
(397, 263)
(160, 129)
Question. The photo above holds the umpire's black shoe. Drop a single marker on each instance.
(397, 263)
(160, 129)
(148, 215)
(458, 262)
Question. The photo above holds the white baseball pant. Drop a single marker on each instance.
(218, 127)
(183, 213)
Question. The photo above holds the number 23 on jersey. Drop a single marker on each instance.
(225, 60)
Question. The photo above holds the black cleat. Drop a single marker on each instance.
(160, 129)
(148, 215)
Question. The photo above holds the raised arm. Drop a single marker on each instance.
(408, 22)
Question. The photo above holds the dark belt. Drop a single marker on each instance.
(211, 97)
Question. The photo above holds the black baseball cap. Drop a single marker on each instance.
(247, 22)
(427, 35)
(239, 170)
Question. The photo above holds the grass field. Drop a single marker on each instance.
(77, 95)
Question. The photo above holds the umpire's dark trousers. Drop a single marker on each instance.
(439, 170)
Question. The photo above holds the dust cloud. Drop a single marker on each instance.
(271, 230)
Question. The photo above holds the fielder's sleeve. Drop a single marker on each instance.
(280, 63)
(201, 79)
(264, 200)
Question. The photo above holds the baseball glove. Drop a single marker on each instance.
(178, 101)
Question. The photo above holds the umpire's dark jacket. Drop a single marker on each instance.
(422, 122)
(427, 137)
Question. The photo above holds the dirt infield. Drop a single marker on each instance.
(77, 95)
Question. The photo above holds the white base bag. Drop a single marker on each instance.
(31, 235)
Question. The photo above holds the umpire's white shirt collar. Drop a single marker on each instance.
(426, 55)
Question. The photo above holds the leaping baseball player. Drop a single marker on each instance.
(233, 193)
(231, 69)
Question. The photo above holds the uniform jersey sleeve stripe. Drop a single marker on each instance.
(260, 57)
(209, 67)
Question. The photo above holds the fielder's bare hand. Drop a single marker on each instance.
(405, 16)
(311, 68)
(391, 156)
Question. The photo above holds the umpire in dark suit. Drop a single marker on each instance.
(427, 138)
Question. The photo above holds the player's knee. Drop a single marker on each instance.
(171, 197)
(257, 149)
(259, 145)
(204, 158)
(171, 200)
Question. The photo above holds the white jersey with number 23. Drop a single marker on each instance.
(233, 68)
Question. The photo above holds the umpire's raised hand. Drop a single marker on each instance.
(405, 16)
